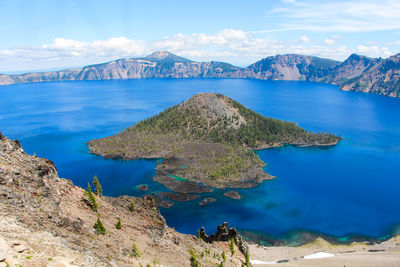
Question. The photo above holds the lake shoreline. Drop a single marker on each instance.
(322, 253)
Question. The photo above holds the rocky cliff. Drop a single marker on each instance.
(288, 67)
(382, 76)
(46, 221)
(357, 73)
(157, 65)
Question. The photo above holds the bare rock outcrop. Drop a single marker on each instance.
(224, 233)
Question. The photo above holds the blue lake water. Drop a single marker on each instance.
(350, 188)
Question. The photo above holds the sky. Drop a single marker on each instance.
(48, 34)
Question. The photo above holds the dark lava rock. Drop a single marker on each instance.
(179, 196)
(224, 233)
(166, 204)
(180, 186)
(233, 194)
(112, 156)
(152, 200)
(207, 200)
(142, 187)
(239, 184)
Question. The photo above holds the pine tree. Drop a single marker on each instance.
(232, 246)
(99, 225)
(91, 198)
(193, 260)
(118, 225)
(247, 258)
(98, 191)
(132, 206)
(135, 251)
(198, 234)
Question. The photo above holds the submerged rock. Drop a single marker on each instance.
(166, 204)
(207, 200)
(233, 194)
(142, 187)
(179, 196)
(180, 186)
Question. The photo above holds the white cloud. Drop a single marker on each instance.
(329, 41)
(304, 39)
(230, 45)
(344, 16)
(374, 51)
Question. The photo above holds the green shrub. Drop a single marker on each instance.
(232, 246)
(118, 224)
(193, 260)
(247, 258)
(99, 226)
(132, 206)
(135, 251)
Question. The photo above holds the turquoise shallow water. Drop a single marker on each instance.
(352, 188)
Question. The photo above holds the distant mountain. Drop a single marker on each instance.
(166, 57)
(156, 65)
(357, 73)
(382, 76)
(352, 67)
(289, 67)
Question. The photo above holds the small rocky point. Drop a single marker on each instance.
(224, 233)
(233, 194)
(207, 200)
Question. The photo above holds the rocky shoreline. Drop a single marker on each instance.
(322, 253)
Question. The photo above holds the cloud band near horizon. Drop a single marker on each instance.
(231, 45)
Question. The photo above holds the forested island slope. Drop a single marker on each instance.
(210, 139)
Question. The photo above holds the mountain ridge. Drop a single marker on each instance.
(357, 73)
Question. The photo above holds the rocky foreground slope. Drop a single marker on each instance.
(208, 140)
(357, 73)
(46, 221)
